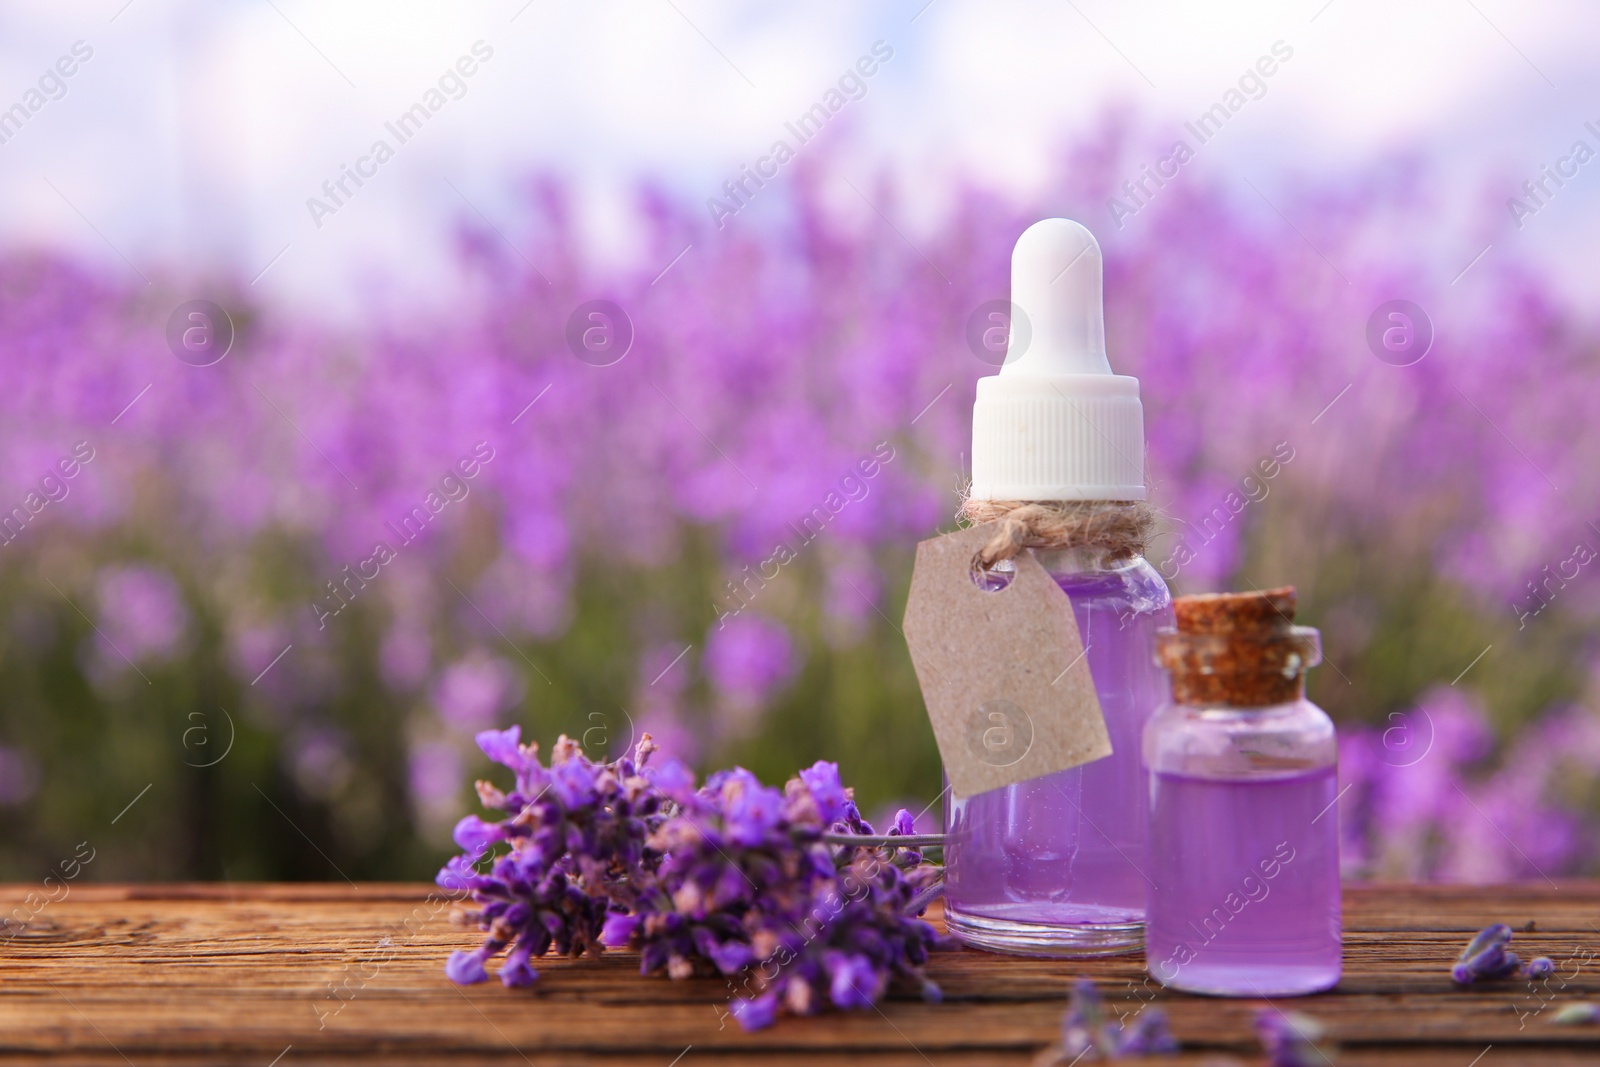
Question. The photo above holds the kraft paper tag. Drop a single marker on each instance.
(1003, 672)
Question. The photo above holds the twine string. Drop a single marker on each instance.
(1118, 528)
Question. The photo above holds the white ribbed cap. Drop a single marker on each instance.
(1055, 423)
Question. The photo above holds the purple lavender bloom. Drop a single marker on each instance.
(751, 809)
(567, 842)
(1085, 1031)
(472, 692)
(1540, 968)
(1507, 965)
(19, 776)
(1148, 1035)
(466, 968)
(1489, 961)
(902, 825)
(141, 612)
(1493, 934)
(749, 657)
(755, 1013)
(856, 982)
(434, 773)
(503, 746)
(457, 875)
(674, 779)
(618, 929)
(835, 924)
(710, 881)
(403, 658)
(475, 836)
(793, 414)
(516, 972)
(730, 956)
(1088, 1032)
(573, 783)
(822, 780)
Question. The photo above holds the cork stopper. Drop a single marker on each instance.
(1238, 649)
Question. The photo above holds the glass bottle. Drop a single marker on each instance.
(1244, 825)
(1051, 866)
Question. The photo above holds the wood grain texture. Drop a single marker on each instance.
(189, 974)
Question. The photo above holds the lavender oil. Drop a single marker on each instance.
(1051, 866)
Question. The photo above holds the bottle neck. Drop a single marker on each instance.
(1083, 559)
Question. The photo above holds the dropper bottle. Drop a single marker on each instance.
(1052, 866)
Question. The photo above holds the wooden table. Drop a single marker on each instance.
(295, 974)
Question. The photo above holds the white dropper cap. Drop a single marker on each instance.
(1055, 423)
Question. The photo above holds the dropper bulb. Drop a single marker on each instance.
(1056, 282)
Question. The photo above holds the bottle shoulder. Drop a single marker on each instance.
(1133, 579)
(1230, 742)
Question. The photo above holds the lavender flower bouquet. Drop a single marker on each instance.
(789, 896)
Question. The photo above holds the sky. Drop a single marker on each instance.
(196, 137)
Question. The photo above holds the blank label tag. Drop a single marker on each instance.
(1003, 672)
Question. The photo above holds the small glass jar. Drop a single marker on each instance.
(1244, 827)
(1050, 866)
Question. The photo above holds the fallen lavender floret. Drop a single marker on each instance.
(1084, 1024)
(1540, 968)
(1496, 961)
(1148, 1035)
(1292, 1039)
(1576, 1014)
(724, 879)
(1493, 934)
(1087, 1033)
(1486, 957)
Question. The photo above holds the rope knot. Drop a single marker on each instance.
(1119, 528)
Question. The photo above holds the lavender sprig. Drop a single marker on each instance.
(717, 879)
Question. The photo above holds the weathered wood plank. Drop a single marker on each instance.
(337, 974)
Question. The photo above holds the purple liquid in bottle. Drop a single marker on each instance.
(1051, 866)
(1246, 872)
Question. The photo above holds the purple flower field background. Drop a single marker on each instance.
(195, 609)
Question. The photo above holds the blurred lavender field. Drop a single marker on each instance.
(203, 608)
